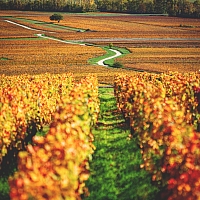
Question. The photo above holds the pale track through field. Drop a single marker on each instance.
(26, 27)
(101, 62)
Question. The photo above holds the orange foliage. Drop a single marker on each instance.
(163, 59)
(162, 111)
(56, 165)
(9, 30)
(28, 102)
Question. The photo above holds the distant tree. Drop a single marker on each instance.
(110, 45)
(56, 17)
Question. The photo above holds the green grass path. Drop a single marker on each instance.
(115, 168)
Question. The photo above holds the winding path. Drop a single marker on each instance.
(101, 62)
(117, 54)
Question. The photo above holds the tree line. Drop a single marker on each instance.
(182, 8)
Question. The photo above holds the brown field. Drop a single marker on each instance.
(12, 31)
(104, 25)
(163, 59)
(43, 55)
(40, 56)
(157, 43)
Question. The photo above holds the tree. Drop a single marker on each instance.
(56, 17)
(197, 8)
(160, 6)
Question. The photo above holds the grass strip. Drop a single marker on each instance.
(123, 51)
(115, 168)
(49, 24)
(109, 53)
(97, 59)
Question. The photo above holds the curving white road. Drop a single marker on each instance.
(117, 53)
(101, 62)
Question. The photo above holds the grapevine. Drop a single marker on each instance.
(164, 119)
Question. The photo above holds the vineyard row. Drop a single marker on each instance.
(53, 166)
(163, 112)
